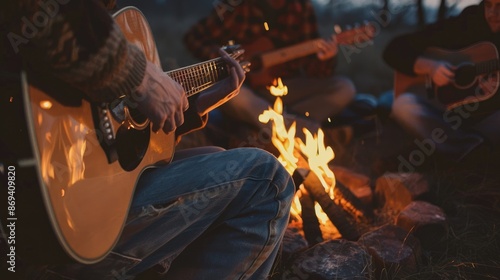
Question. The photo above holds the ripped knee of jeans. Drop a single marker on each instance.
(155, 210)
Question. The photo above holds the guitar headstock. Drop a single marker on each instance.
(236, 51)
(354, 35)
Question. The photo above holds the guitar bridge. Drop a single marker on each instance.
(104, 130)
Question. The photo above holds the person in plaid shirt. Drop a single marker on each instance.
(312, 86)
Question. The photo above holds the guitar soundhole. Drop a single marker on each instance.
(465, 75)
(137, 116)
(131, 146)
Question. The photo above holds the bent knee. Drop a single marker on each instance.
(266, 165)
(402, 104)
(345, 85)
(342, 92)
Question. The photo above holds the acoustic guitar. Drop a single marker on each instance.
(477, 77)
(87, 158)
(263, 55)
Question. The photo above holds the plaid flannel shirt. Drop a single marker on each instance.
(244, 23)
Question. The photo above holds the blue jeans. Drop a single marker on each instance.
(453, 133)
(214, 216)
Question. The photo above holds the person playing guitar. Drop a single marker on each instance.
(446, 84)
(265, 26)
(213, 215)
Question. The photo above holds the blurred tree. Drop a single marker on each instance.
(420, 13)
(443, 9)
(385, 7)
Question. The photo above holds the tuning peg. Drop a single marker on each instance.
(233, 48)
(246, 66)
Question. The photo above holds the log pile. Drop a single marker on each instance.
(371, 246)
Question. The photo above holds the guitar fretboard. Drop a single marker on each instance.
(198, 77)
(488, 66)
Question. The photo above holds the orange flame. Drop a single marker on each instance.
(282, 139)
(280, 89)
(318, 155)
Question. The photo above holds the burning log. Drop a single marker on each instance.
(310, 222)
(293, 154)
(344, 197)
(335, 213)
(358, 184)
(299, 176)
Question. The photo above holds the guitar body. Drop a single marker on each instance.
(468, 87)
(261, 75)
(87, 161)
(78, 170)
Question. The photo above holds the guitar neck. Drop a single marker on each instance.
(286, 54)
(198, 77)
(348, 37)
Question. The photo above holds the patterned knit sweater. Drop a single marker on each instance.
(75, 40)
(79, 43)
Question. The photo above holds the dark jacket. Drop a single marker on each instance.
(455, 33)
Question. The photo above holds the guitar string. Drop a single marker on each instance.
(185, 72)
(191, 77)
(487, 66)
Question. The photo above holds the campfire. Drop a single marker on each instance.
(336, 223)
(314, 206)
